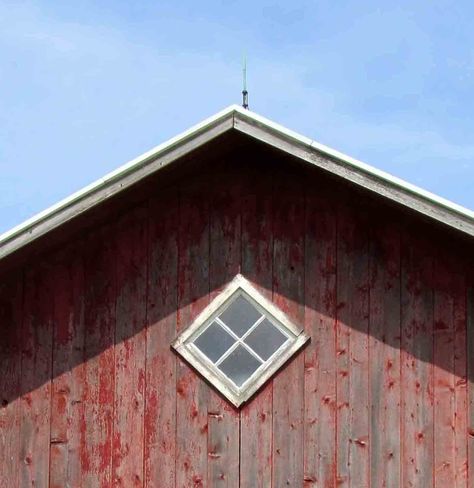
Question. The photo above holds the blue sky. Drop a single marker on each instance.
(85, 86)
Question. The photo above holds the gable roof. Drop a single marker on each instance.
(257, 127)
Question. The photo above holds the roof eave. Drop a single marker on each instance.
(257, 127)
(357, 172)
(122, 178)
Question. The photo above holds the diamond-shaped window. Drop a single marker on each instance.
(239, 341)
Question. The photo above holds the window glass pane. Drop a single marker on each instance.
(214, 341)
(239, 365)
(265, 339)
(240, 316)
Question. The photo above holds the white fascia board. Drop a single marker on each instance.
(261, 129)
(116, 181)
(355, 171)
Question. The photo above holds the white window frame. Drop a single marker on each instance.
(184, 346)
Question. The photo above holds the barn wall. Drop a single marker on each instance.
(92, 396)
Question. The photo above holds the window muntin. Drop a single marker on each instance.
(239, 365)
(240, 316)
(214, 341)
(246, 332)
(239, 341)
(266, 339)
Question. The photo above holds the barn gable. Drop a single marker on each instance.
(234, 118)
(98, 289)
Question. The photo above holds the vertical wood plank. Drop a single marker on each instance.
(225, 257)
(417, 363)
(257, 246)
(193, 296)
(11, 306)
(160, 411)
(470, 372)
(99, 318)
(352, 347)
(68, 369)
(444, 380)
(130, 334)
(37, 338)
(384, 352)
(460, 374)
(343, 364)
(288, 289)
(320, 355)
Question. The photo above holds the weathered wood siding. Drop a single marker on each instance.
(92, 396)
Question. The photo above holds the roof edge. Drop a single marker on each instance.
(362, 174)
(116, 181)
(257, 127)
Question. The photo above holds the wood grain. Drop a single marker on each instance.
(470, 372)
(36, 360)
(91, 395)
(11, 311)
(288, 295)
(68, 368)
(384, 351)
(223, 442)
(193, 296)
(444, 379)
(417, 362)
(257, 246)
(160, 411)
(352, 347)
(320, 355)
(99, 374)
(130, 335)
(461, 431)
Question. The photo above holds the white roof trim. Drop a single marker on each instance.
(257, 127)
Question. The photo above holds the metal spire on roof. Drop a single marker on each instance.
(245, 93)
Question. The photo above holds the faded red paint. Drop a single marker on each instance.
(93, 395)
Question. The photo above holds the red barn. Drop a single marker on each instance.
(239, 307)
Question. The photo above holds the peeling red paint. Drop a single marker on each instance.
(383, 363)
